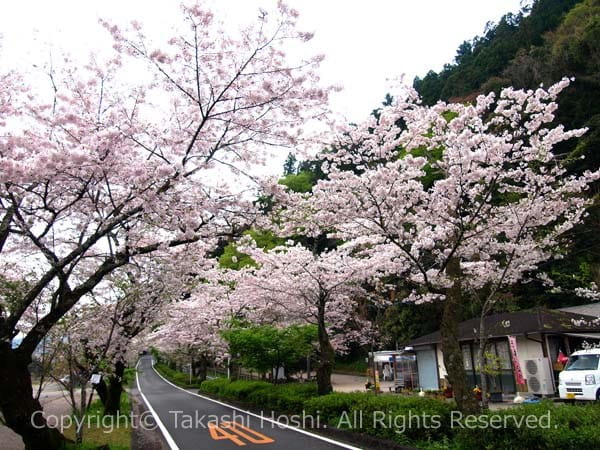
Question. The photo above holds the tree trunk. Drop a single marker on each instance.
(80, 413)
(233, 369)
(326, 355)
(373, 367)
(115, 388)
(453, 357)
(22, 413)
(201, 369)
(102, 390)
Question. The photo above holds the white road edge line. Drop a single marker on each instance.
(280, 424)
(163, 429)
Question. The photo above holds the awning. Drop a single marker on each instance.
(584, 335)
(387, 355)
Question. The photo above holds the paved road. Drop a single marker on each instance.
(190, 421)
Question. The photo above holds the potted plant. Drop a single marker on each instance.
(448, 393)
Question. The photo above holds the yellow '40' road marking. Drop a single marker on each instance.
(236, 433)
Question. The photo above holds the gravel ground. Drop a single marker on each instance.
(350, 383)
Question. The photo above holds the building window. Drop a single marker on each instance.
(504, 381)
(503, 353)
(467, 356)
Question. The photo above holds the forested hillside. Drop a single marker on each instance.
(545, 41)
(487, 56)
(538, 46)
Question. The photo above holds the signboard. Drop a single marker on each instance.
(512, 340)
(95, 378)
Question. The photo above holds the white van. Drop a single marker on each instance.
(580, 380)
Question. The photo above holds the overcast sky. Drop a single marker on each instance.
(365, 42)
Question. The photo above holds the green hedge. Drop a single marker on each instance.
(214, 386)
(330, 407)
(239, 390)
(181, 379)
(410, 420)
(568, 427)
(552, 425)
(286, 398)
(402, 419)
(407, 419)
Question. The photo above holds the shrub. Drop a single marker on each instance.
(568, 427)
(410, 420)
(240, 389)
(331, 406)
(214, 386)
(306, 390)
(288, 398)
(278, 397)
(402, 419)
(174, 376)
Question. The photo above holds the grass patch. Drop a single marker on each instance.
(100, 431)
(129, 376)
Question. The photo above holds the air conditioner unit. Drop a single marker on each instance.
(539, 376)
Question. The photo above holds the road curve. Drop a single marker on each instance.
(190, 421)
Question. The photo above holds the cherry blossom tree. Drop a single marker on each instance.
(297, 285)
(77, 360)
(80, 344)
(114, 169)
(190, 336)
(190, 329)
(458, 201)
(130, 307)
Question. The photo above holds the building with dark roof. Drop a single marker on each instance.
(525, 343)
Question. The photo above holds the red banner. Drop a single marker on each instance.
(512, 340)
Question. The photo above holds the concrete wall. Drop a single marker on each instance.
(528, 349)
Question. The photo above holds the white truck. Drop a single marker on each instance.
(580, 379)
